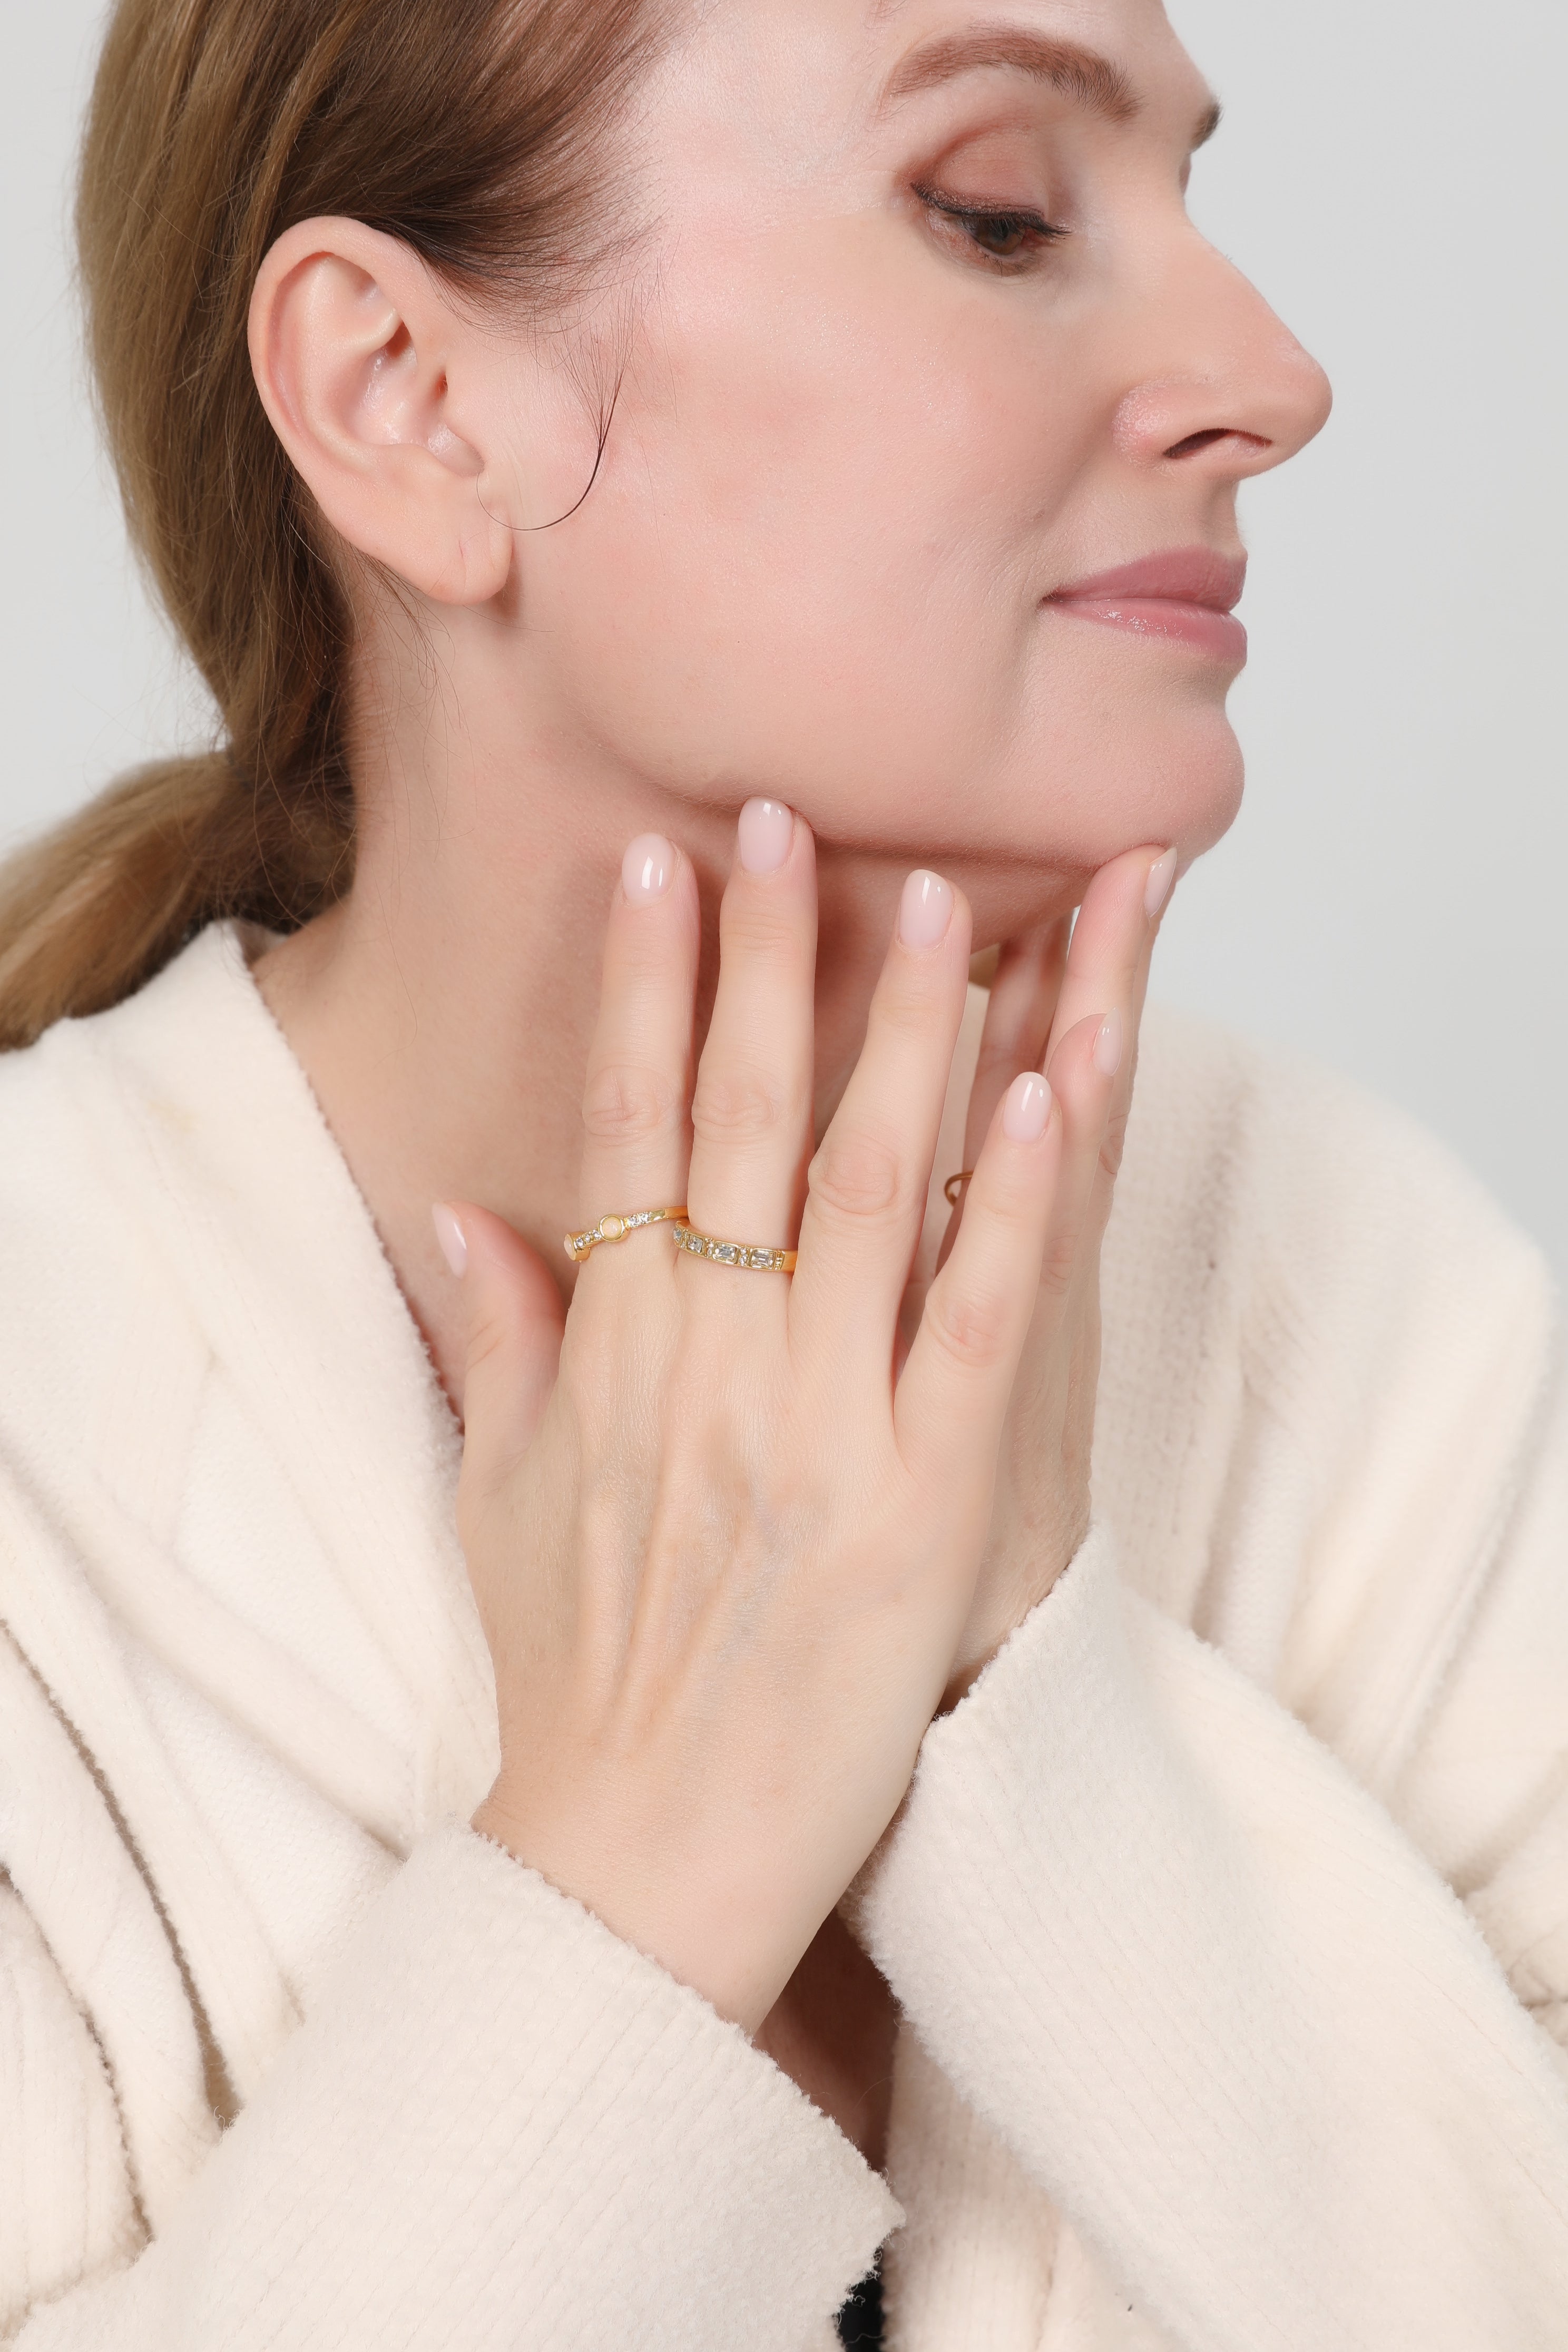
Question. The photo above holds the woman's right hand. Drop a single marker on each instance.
(723, 1551)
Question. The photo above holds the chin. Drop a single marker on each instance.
(1201, 795)
(1177, 785)
(1167, 788)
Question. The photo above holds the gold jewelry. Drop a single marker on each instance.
(953, 1190)
(616, 1229)
(744, 1253)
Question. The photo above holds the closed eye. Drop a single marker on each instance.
(1005, 233)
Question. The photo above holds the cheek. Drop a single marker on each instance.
(813, 566)
(819, 526)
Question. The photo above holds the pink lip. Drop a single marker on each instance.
(1184, 595)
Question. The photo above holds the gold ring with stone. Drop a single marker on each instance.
(755, 1259)
(616, 1229)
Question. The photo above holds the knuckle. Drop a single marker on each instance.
(1113, 1145)
(1058, 1266)
(858, 1180)
(904, 1006)
(737, 1106)
(487, 1337)
(768, 929)
(628, 1102)
(972, 1331)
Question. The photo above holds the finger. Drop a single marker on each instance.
(1019, 1017)
(1085, 1076)
(952, 1400)
(1020, 1006)
(512, 1330)
(635, 1119)
(866, 1199)
(1112, 942)
(1108, 972)
(752, 1111)
(1025, 1235)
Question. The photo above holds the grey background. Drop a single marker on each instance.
(1391, 174)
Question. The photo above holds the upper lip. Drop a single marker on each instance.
(1181, 575)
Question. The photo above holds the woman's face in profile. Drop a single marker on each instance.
(922, 337)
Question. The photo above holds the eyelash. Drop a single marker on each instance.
(1039, 231)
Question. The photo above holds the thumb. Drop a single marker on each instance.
(513, 1325)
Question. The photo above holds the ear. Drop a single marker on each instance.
(373, 383)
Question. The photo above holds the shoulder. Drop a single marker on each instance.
(1317, 1198)
(1328, 1352)
(59, 1097)
(90, 1117)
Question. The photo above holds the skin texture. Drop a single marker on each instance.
(852, 452)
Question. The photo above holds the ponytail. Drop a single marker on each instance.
(95, 908)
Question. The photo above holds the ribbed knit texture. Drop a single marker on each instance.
(1228, 1913)
(500, 2126)
(1220, 2008)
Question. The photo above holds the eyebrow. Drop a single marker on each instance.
(1081, 74)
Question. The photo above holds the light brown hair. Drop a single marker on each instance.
(481, 132)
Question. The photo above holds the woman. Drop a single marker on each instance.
(798, 439)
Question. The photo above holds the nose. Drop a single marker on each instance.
(1232, 392)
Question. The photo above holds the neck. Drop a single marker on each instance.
(443, 1011)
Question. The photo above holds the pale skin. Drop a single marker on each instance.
(732, 1551)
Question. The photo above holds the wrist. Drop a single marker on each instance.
(698, 1920)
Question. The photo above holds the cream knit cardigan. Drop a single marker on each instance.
(1229, 1914)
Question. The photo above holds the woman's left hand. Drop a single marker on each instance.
(1043, 988)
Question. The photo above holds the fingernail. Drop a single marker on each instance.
(449, 1233)
(1107, 1045)
(763, 836)
(648, 869)
(1026, 1110)
(925, 912)
(1157, 889)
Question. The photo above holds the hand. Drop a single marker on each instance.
(724, 1559)
(1043, 993)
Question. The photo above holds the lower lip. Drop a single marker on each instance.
(1220, 634)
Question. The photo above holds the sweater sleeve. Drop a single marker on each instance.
(1223, 2007)
(499, 2126)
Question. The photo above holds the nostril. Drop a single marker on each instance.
(1196, 441)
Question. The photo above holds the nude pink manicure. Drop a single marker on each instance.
(453, 1240)
(1157, 889)
(648, 869)
(1026, 1108)
(1107, 1045)
(763, 836)
(925, 910)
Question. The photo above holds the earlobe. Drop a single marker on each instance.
(353, 345)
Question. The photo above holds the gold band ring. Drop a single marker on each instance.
(953, 1190)
(742, 1254)
(616, 1229)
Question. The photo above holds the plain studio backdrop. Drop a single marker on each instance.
(1390, 173)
